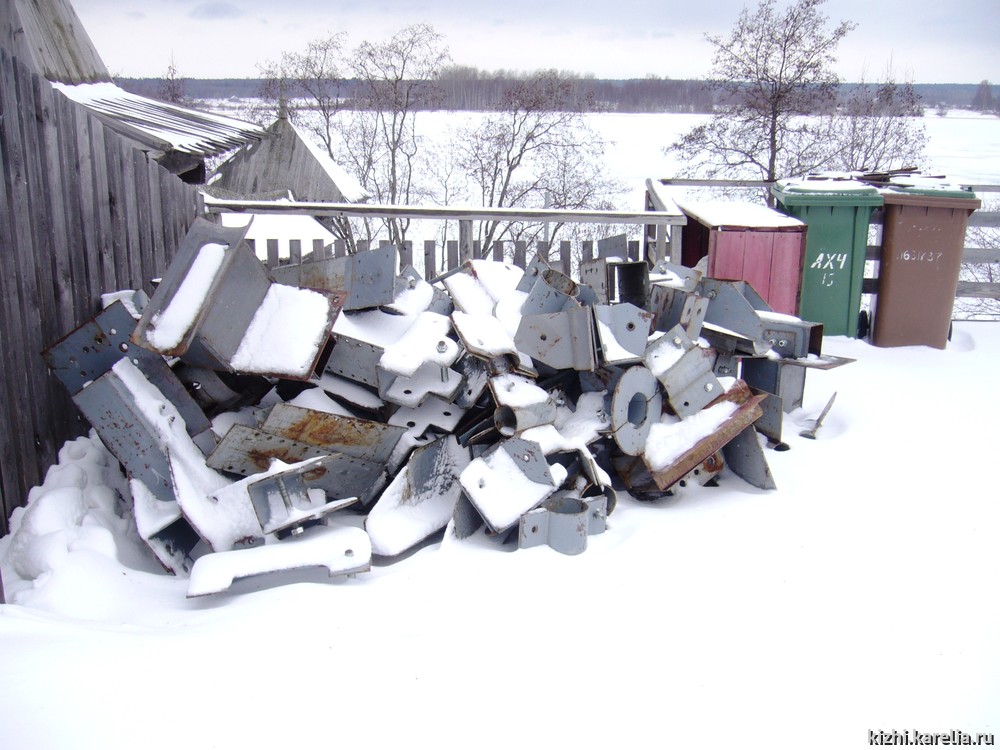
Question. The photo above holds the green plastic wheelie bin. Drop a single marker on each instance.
(837, 210)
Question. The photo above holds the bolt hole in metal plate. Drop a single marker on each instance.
(636, 404)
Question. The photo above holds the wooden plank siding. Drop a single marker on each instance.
(82, 212)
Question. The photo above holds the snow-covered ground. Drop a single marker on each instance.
(861, 595)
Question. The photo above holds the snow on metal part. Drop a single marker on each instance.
(168, 327)
(285, 334)
(341, 550)
(426, 341)
(670, 438)
(420, 500)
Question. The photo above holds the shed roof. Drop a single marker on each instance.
(162, 126)
(287, 161)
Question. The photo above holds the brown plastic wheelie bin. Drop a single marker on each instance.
(922, 243)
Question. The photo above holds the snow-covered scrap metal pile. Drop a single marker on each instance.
(331, 412)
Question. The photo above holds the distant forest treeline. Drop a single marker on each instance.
(470, 89)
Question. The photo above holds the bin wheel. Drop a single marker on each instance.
(863, 324)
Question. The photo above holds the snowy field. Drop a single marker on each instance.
(861, 595)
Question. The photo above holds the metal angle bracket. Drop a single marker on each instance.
(745, 456)
(361, 438)
(675, 276)
(733, 307)
(507, 481)
(622, 332)
(285, 503)
(791, 337)
(684, 369)
(561, 340)
(563, 522)
(367, 278)
(96, 346)
(552, 291)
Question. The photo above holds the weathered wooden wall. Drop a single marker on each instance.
(82, 212)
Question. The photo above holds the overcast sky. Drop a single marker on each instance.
(926, 41)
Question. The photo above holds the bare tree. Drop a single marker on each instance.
(534, 150)
(307, 87)
(773, 68)
(395, 78)
(879, 128)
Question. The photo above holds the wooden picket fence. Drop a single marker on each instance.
(83, 212)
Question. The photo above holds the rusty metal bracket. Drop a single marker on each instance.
(563, 522)
(746, 413)
(361, 438)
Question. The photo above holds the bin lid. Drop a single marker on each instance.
(922, 190)
(826, 189)
(735, 214)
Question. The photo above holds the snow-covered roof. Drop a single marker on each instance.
(162, 126)
(287, 160)
(736, 214)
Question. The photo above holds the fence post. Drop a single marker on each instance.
(430, 268)
(633, 250)
(295, 252)
(319, 250)
(498, 251)
(542, 250)
(452, 255)
(339, 248)
(566, 257)
(588, 250)
(406, 254)
(464, 240)
(521, 254)
(272, 253)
